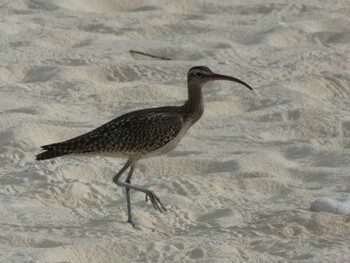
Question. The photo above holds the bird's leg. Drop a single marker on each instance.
(116, 181)
(149, 193)
(127, 190)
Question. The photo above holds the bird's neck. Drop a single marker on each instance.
(194, 105)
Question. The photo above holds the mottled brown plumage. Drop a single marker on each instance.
(142, 133)
(133, 134)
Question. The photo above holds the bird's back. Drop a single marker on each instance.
(136, 133)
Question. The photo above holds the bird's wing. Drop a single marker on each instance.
(131, 132)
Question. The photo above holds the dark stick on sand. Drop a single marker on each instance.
(148, 55)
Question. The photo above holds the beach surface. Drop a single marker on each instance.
(240, 184)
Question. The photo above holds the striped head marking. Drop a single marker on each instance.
(199, 74)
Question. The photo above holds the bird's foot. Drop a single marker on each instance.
(131, 222)
(157, 204)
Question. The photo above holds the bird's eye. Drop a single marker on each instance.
(198, 75)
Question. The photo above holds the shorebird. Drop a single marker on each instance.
(141, 134)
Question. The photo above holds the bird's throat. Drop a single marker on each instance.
(194, 105)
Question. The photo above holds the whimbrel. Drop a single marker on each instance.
(141, 134)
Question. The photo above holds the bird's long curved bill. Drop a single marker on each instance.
(223, 77)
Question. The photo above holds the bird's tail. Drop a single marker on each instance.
(52, 151)
(63, 148)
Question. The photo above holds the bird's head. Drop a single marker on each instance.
(200, 75)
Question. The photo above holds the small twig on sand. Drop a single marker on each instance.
(148, 55)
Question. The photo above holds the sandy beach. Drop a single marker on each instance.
(240, 184)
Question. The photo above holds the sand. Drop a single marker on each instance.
(239, 186)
